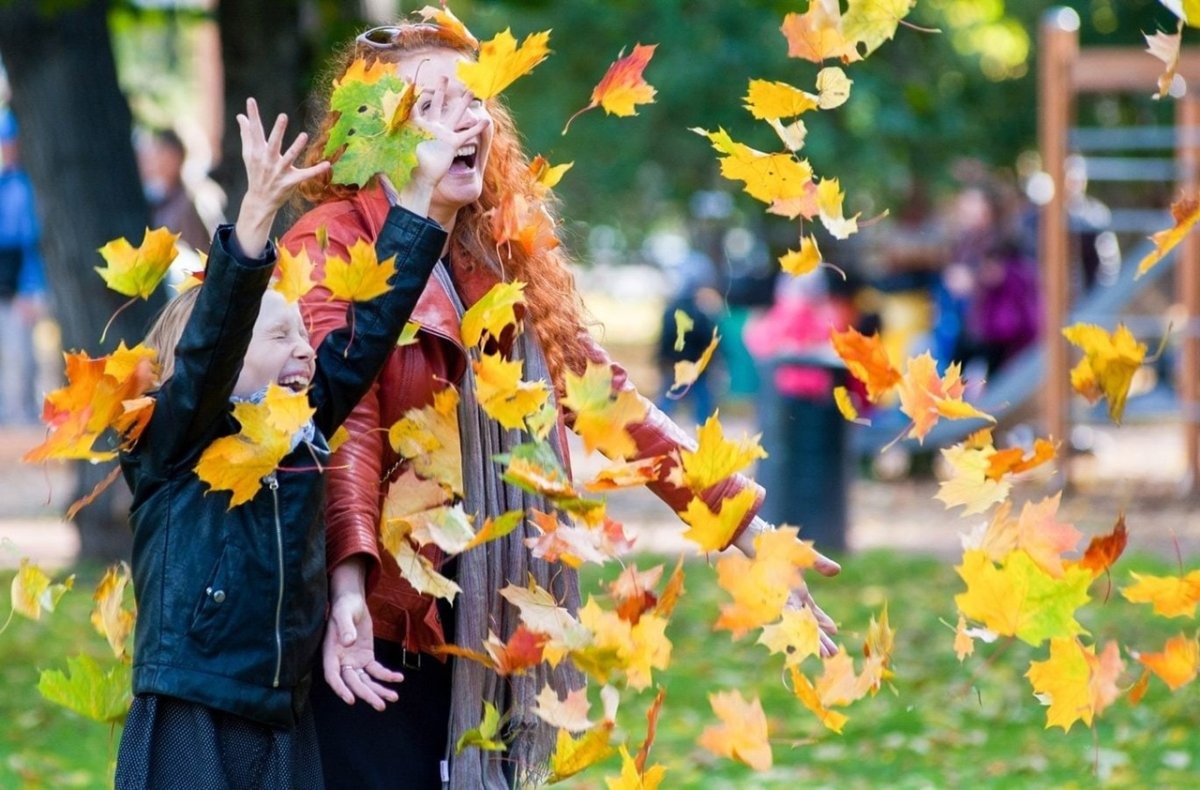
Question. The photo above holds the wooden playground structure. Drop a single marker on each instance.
(1067, 71)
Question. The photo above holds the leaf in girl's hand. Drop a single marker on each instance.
(294, 274)
(109, 616)
(87, 689)
(742, 734)
(816, 35)
(493, 313)
(1076, 683)
(501, 62)
(137, 271)
(622, 87)
(602, 414)
(238, 463)
(686, 371)
(33, 592)
(1109, 362)
(361, 278)
(486, 736)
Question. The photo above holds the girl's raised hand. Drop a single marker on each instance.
(271, 175)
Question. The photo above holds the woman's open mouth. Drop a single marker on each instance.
(464, 160)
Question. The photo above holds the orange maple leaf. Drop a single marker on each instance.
(1185, 211)
(1177, 663)
(633, 591)
(1045, 538)
(817, 34)
(742, 734)
(545, 175)
(1103, 550)
(445, 18)
(622, 88)
(925, 397)
(1171, 596)
(867, 360)
(628, 474)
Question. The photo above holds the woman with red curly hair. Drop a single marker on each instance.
(377, 619)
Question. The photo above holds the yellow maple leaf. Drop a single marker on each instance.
(1171, 596)
(872, 22)
(1177, 663)
(238, 463)
(361, 278)
(804, 690)
(969, 484)
(633, 779)
(602, 414)
(742, 734)
(715, 457)
(359, 71)
(1108, 365)
(687, 371)
(340, 437)
(617, 644)
(829, 204)
(447, 526)
(1020, 599)
(867, 361)
(540, 613)
(501, 62)
(1076, 683)
(502, 394)
(493, 313)
(768, 177)
(109, 617)
(804, 260)
(778, 100)
(628, 474)
(428, 437)
(569, 714)
(1185, 211)
(964, 645)
(137, 271)
(294, 272)
(572, 755)
(713, 531)
(796, 636)
(547, 176)
(816, 35)
(32, 591)
(760, 586)
(925, 397)
(417, 570)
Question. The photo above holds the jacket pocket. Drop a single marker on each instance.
(216, 611)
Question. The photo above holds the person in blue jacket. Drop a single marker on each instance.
(232, 600)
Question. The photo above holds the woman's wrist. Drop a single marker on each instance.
(348, 577)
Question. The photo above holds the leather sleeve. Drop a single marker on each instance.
(658, 434)
(352, 501)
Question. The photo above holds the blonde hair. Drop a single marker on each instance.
(167, 328)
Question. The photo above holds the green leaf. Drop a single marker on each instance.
(88, 690)
(485, 735)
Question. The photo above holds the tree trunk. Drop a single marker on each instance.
(76, 147)
(264, 56)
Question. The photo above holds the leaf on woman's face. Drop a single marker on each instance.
(501, 62)
(371, 131)
(137, 271)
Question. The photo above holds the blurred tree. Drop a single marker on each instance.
(75, 142)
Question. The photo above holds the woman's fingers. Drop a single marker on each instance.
(363, 687)
(382, 673)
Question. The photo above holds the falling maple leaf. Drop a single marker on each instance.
(768, 177)
(671, 592)
(572, 755)
(534, 467)
(808, 695)
(418, 571)
(925, 397)
(294, 274)
(617, 644)
(716, 458)
(1109, 362)
(969, 484)
(1171, 596)
(627, 474)
(622, 87)
(766, 100)
(501, 62)
(760, 586)
(495, 312)
(633, 591)
(137, 271)
(1176, 665)
(600, 414)
(32, 592)
(569, 714)
(713, 530)
(428, 437)
(447, 526)
(964, 645)
(371, 134)
(545, 175)
(502, 394)
(802, 261)
(1020, 599)
(1012, 461)
(1165, 46)
(443, 17)
(1076, 683)
(633, 778)
(565, 543)
(361, 278)
(239, 463)
(87, 689)
(742, 734)
(1103, 550)
(796, 636)
(1185, 211)
(486, 735)
(687, 371)
(109, 617)
(683, 324)
(524, 223)
(829, 205)
(872, 22)
(845, 406)
(1045, 538)
(541, 614)
(867, 361)
(816, 35)
(497, 527)
(833, 87)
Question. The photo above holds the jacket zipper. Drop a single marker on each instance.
(274, 485)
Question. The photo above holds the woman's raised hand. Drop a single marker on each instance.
(271, 175)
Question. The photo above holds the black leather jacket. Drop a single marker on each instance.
(232, 602)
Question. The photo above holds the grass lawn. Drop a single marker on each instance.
(942, 723)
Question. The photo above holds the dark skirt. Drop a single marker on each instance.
(169, 743)
(399, 748)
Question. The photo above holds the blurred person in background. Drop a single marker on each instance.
(160, 155)
(22, 281)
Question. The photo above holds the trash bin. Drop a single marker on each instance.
(806, 472)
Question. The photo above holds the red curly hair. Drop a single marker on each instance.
(555, 310)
